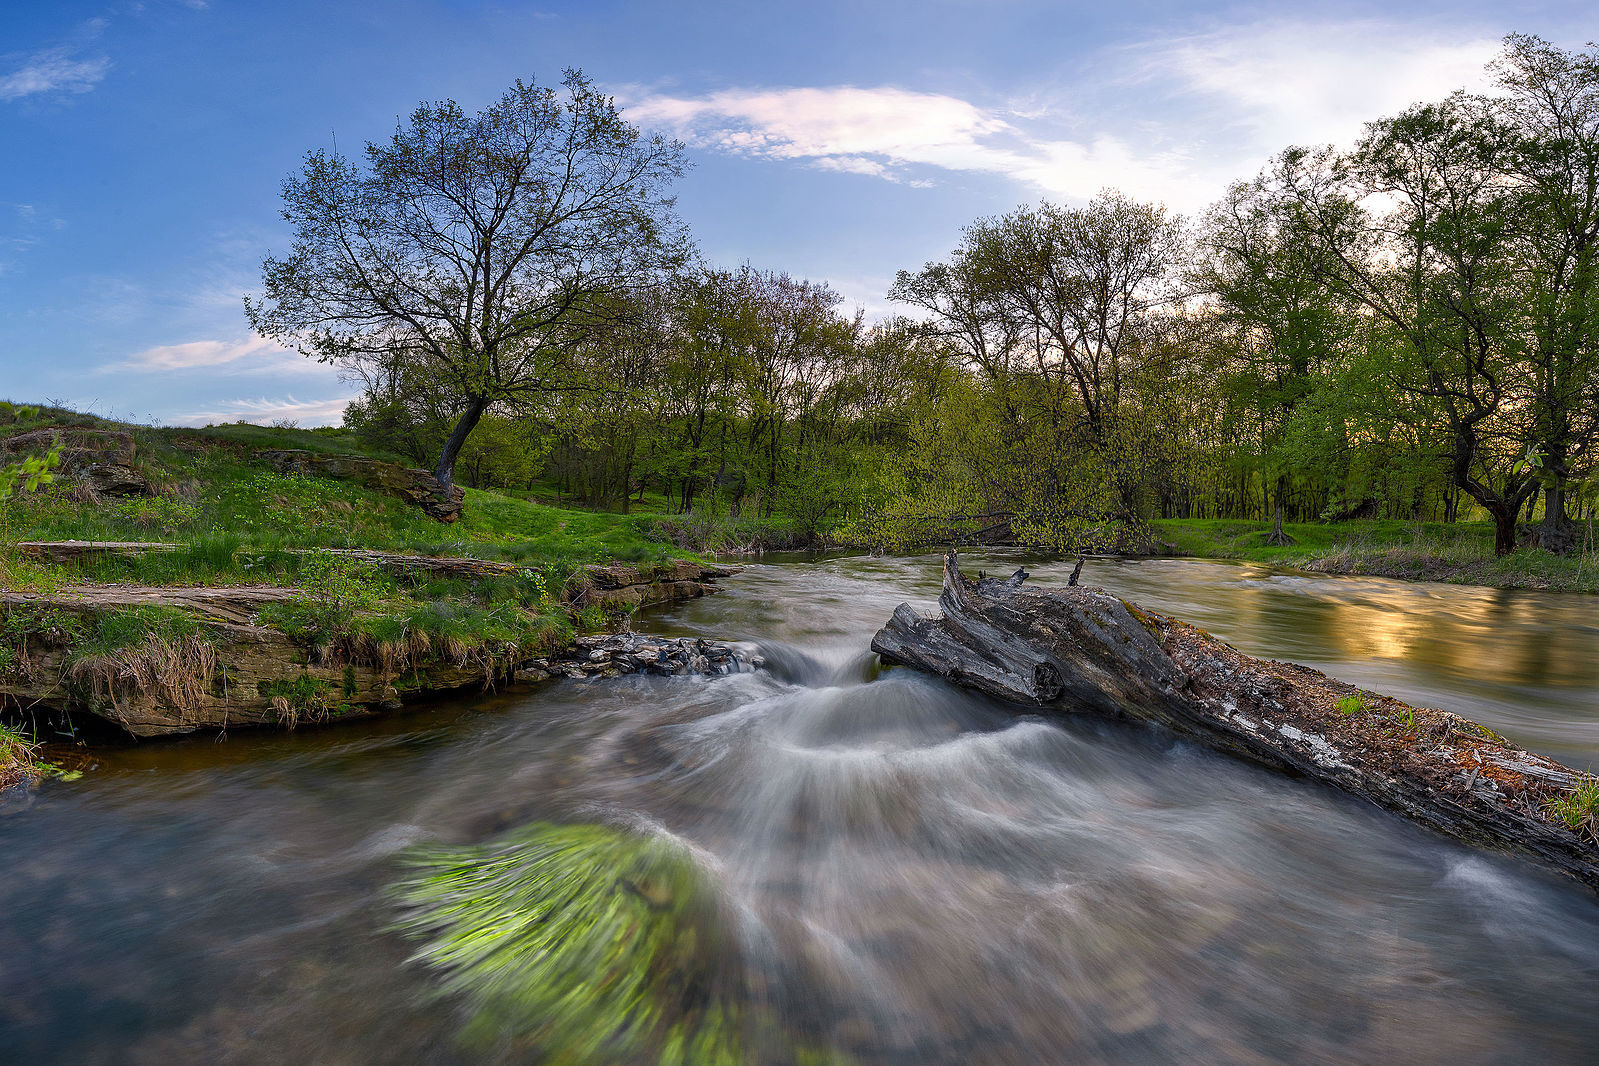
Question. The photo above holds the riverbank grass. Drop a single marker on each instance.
(217, 517)
(17, 751)
(1457, 553)
(210, 494)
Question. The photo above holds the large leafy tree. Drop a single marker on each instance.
(1413, 227)
(1548, 117)
(1060, 309)
(1066, 296)
(481, 250)
(1267, 300)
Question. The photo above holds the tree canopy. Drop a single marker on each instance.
(477, 249)
(1406, 328)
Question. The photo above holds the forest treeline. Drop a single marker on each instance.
(1409, 328)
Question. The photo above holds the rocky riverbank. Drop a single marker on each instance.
(160, 660)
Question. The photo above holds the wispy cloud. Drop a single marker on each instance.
(863, 131)
(878, 132)
(53, 70)
(22, 230)
(1179, 117)
(250, 354)
(1288, 82)
(905, 136)
(266, 410)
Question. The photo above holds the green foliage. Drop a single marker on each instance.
(587, 944)
(702, 531)
(332, 591)
(300, 699)
(566, 201)
(1350, 705)
(25, 476)
(18, 755)
(107, 632)
(20, 758)
(592, 618)
(29, 475)
(19, 625)
(159, 514)
(1578, 808)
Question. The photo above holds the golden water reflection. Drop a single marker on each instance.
(1524, 662)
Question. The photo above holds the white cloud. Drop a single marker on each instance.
(53, 70)
(876, 132)
(899, 135)
(1309, 83)
(841, 123)
(264, 411)
(1176, 119)
(251, 354)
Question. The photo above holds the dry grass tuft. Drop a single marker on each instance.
(178, 671)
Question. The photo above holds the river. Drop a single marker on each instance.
(924, 876)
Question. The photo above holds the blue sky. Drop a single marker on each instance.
(142, 144)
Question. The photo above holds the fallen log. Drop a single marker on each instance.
(1081, 649)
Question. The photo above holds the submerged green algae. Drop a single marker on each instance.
(589, 944)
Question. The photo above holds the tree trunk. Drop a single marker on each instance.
(1076, 650)
(1504, 529)
(1277, 538)
(1557, 533)
(473, 414)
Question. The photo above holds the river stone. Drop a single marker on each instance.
(614, 654)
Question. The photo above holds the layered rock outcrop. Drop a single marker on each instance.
(416, 487)
(231, 670)
(100, 459)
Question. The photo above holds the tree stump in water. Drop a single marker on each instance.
(1080, 649)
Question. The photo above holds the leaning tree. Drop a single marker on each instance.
(479, 249)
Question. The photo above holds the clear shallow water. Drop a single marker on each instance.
(927, 877)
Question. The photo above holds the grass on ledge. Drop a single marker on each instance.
(343, 612)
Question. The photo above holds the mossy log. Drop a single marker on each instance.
(1081, 649)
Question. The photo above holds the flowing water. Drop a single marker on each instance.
(923, 876)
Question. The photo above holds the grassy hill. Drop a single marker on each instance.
(236, 520)
(207, 488)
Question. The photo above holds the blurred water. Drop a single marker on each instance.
(924, 875)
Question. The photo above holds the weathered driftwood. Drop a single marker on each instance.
(1081, 649)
